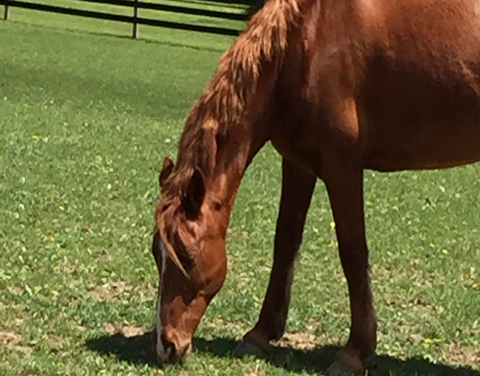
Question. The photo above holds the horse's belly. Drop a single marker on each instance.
(421, 118)
(420, 94)
(425, 146)
(396, 160)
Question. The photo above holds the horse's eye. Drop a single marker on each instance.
(183, 255)
(217, 205)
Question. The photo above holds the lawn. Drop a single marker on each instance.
(85, 120)
(125, 29)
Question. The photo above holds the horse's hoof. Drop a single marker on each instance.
(246, 348)
(341, 369)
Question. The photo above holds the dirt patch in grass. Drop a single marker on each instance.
(110, 291)
(8, 337)
(125, 330)
(455, 353)
(12, 340)
(120, 290)
(299, 340)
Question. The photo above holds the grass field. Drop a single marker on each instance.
(85, 120)
(125, 29)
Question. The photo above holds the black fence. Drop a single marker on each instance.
(135, 19)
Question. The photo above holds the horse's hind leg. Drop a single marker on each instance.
(297, 191)
(345, 189)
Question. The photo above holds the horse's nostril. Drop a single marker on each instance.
(185, 352)
(168, 347)
(169, 352)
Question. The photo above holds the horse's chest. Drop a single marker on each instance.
(301, 146)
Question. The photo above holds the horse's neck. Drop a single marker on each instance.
(238, 145)
(227, 120)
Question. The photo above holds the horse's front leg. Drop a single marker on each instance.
(297, 191)
(344, 182)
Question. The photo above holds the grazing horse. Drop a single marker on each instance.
(337, 86)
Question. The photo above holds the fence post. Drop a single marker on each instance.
(135, 17)
(6, 11)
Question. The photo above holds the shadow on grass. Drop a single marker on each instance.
(134, 350)
(138, 350)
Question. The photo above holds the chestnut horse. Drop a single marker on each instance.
(337, 86)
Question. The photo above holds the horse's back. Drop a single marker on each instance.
(420, 91)
(393, 83)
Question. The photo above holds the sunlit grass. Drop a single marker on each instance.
(144, 32)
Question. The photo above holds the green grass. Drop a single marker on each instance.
(85, 120)
(125, 29)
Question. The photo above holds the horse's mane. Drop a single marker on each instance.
(230, 91)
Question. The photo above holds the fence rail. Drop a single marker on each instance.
(136, 19)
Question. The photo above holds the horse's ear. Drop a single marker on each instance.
(194, 195)
(166, 171)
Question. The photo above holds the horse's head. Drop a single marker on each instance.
(189, 250)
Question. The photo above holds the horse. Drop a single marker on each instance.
(337, 87)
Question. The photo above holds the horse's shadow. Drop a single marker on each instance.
(138, 350)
